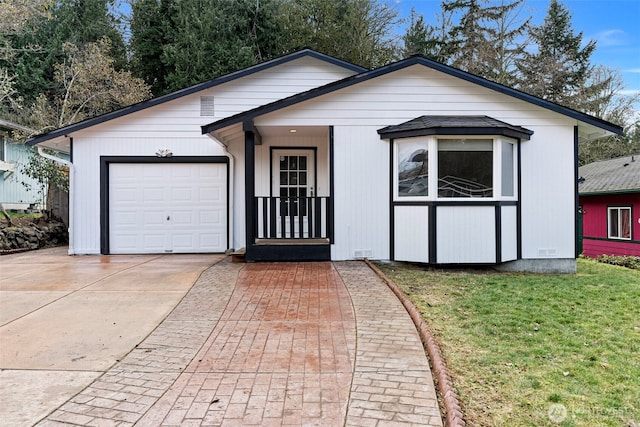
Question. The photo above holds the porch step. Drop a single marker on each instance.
(239, 255)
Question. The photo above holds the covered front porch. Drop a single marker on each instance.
(288, 190)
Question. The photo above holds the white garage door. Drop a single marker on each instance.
(167, 208)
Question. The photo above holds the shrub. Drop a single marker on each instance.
(623, 261)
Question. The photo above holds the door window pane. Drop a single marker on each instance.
(293, 185)
(465, 168)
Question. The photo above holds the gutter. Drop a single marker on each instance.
(71, 173)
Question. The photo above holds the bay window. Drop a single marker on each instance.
(444, 168)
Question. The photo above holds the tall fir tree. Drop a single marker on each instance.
(428, 40)
(558, 68)
(151, 25)
(180, 43)
(507, 43)
(484, 41)
(358, 31)
(71, 21)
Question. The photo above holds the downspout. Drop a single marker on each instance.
(70, 166)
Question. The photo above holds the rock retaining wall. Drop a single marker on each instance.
(32, 236)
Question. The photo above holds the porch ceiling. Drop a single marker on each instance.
(292, 131)
(235, 133)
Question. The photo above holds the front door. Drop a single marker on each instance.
(293, 183)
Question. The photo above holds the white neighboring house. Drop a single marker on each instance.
(307, 157)
(13, 155)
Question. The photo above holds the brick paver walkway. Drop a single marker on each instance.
(271, 344)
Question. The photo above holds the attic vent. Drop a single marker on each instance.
(206, 106)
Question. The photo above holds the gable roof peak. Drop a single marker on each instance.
(307, 52)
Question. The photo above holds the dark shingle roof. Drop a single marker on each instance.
(454, 125)
(610, 176)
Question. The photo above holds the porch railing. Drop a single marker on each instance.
(293, 218)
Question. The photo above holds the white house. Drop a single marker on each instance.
(307, 157)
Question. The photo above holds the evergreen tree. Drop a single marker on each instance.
(180, 43)
(17, 18)
(72, 21)
(507, 44)
(428, 40)
(558, 68)
(358, 31)
(485, 41)
(151, 25)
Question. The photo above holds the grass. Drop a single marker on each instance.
(524, 348)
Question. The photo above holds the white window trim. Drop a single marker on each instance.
(432, 144)
(619, 209)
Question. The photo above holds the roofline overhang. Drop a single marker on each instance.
(413, 60)
(611, 192)
(14, 126)
(511, 133)
(37, 139)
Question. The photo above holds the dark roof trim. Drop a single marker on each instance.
(193, 89)
(454, 125)
(413, 60)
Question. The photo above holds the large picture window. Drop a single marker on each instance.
(429, 168)
(465, 168)
(619, 223)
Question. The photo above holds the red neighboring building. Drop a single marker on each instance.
(610, 205)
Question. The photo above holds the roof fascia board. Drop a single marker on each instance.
(602, 124)
(413, 60)
(457, 131)
(304, 96)
(193, 89)
(611, 192)
(13, 126)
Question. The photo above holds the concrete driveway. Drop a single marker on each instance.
(64, 320)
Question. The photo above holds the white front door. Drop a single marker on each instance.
(294, 186)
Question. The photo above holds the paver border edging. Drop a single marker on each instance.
(454, 416)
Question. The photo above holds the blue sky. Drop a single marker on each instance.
(614, 24)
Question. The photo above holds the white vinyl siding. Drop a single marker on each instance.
(175, 126)
(466, 234)
(548, 193)
(509, 234)
(411, 233)
(361, 196)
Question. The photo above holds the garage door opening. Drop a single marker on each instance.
(160, 207)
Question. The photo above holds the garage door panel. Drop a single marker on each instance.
(184, 194)
(151, 195)
(211, 217)
(153, 217)
(158, 208)
(181, 219)
(126, 219)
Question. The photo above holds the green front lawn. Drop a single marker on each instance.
(524, 348)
